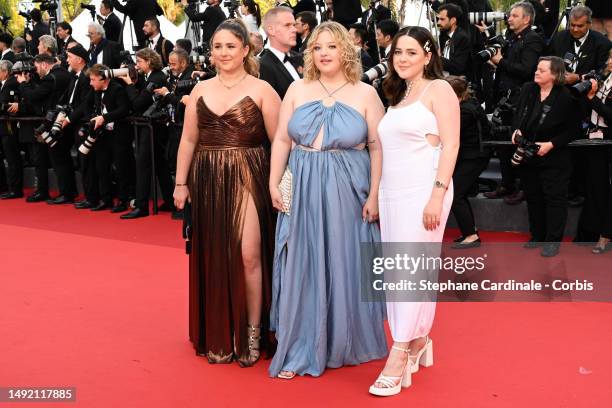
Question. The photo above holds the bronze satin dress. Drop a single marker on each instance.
(230, 162)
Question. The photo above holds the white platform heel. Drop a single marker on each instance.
(424, 357)
(393, 385)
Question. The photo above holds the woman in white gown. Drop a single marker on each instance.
(419, 135)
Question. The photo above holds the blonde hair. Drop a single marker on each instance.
(239, 30)
(349, 57)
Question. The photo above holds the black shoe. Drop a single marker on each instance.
(515, 198)
(61, 200)
(37, 197)
(166, 207)
(550, 249)
(121, 207)
(533, 243)
(135, 213)
(83, 205)
(102, 205)
(465, 245)
(10, 196)
(177, 215)
(499, 192)
(459, 239)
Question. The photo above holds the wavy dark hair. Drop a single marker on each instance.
(253, 9)
(394, 87)
(237, 27)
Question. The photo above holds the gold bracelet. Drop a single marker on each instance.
(180, 185)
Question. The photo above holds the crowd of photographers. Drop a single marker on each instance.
(86, 94)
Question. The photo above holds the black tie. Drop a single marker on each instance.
(286, 59)
(578, 43)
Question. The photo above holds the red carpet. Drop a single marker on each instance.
(91, 301)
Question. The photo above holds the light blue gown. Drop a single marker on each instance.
(317, 309)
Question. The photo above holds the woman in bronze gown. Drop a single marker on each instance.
(223, 169)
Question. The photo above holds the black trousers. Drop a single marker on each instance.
(39, 154)
(115, 147)
(174, 139)
(144, 166)
(596, 215)
(12, 154)
(62, 163)
(545, 182)
(466, 174)
(509, 173)
(3, 178)
(87, 164)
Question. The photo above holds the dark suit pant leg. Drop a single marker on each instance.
(465, 175)
(597, 188)
(89, 176)
(123, 157)
(3, 177)
(607, 223)
(162, 170)
(14, 169)
(104, 161)
(174, 140)
(536, 206)
(39, 154)
(509, 173)
(144, 168)
(62, 164)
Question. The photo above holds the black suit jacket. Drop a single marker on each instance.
(8, 93)
(273, 71)
(562, 122)
(380, 13)
(62, 79)
(520, 60)
(114, 99)
(38, 30)
(164, 47)
(593, 53)
(304, 5)
(138, 95)
(138, 11)
(112, 27)
(36, 96)
(211, 17)
(174, 97)
(110, 54)
(9, 56)
(459, 62)
(83, 88)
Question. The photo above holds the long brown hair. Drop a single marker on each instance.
(238, 28)
(394, 87)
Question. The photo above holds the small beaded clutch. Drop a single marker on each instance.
(286, 190)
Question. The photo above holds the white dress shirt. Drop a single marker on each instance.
(281, 56)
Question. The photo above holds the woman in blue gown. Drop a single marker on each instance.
(325, 122)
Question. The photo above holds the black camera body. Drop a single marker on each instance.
(501, 120)
(23, 67)
(90, 135)
(493, 45)
(49, 131)
(525, 150)
(583, 87)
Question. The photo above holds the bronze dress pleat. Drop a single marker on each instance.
(229, 163)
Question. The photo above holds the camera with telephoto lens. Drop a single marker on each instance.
(495, 44)
(130, 70)
(501, 120)
(46, 5)
(90, 7)
(583, 87)
(231, 6)
(23, 67)
(49, 131)
(525, 150)
(486, 17)
(90, 135)
(377, 71)
(186, 85)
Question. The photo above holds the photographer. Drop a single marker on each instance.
(211, 17)
(138, 11)
(455, 44)
(385, 31)
(9, 88)
(47, 45)
(141, 94)
(111, 23)
(63, 33)
(596, 218)
(547, 119)
(6, 53)
(109, 138)
(358, 34)
(39, 28)
(180, 71)
(101, 50)
(305, 22)
(156, 41)
(515, 64)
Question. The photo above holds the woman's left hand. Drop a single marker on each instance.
(370, 210)
(432, 214)
(544, 148)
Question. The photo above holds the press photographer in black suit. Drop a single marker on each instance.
(547, 119)
(102, 50)
(454, 42)
(39, 28)
(370, 18)
(596, 218)
(515, 65)
(141, 98)
(156, 41)
(138, 11)
(210, 18)
(63, 33)
(9, 89)
(6, 53)
(275, 61)
(111, 23)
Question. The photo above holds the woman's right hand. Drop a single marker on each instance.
(181, 196)
(277, 198)
(516, 133)
(594, 88)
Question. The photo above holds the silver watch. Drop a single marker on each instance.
(439, 184)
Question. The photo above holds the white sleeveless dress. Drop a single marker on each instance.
(410, 165)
